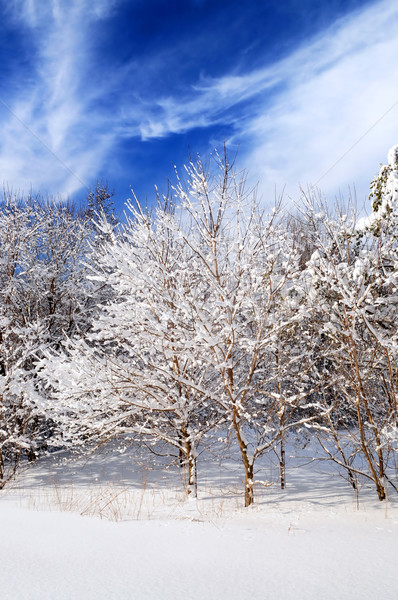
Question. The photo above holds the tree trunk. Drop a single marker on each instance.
(192, 476)
(249, 487)
(247, 463)
(282, 463)
(31, 455)
(2, 483)
(381, 490)
(188, 459)
(361, 400)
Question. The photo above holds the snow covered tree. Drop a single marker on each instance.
(219, 317)
(382, 227)
(352, 303)
(245, 323)
(202, 332)
(17, 412)
(137, 372)
(42, 297)
(384, 193)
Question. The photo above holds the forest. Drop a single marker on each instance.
(205, 317)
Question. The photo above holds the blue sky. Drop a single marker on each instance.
(122, 90)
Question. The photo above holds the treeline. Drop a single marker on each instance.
(204, 314)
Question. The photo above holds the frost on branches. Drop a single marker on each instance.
(42, 297)
(201, 333)
(353, 300)
(139, 372)
(246, 323)
(203, 319)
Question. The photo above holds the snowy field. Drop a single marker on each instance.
(120, 527)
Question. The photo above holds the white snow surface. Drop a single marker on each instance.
(315, 540)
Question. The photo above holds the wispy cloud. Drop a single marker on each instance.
(337, 89)
(293, 118)
(46, 124)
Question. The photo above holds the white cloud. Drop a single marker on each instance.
(47, 137)
(294, 119)
(304, 112)
(338, 89)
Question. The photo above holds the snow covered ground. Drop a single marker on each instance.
(120, 527)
